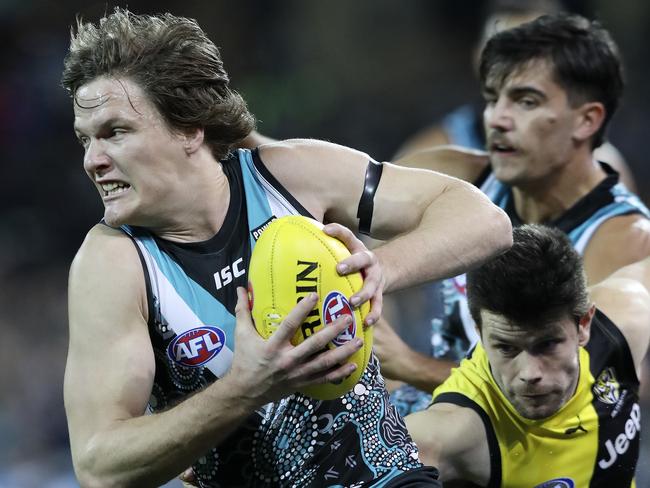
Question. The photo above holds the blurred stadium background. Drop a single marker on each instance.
(365, 74)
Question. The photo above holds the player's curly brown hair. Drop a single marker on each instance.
(175, 64)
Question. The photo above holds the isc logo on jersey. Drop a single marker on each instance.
(335, 305)
(557, 483)
(197, 346)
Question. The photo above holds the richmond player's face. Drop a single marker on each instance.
(536, 368)
(130, 154)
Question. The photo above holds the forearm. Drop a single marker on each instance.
(458, 231)
(152, 449)
(424, 372)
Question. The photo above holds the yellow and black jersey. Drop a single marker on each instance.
(592, 441)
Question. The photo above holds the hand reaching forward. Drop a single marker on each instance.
(366, 262)
(267, 370)
(392, 351)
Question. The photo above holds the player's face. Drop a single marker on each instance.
(529, 125)
(130, 154)
(537, 369)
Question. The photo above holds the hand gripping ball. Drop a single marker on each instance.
(292, 258)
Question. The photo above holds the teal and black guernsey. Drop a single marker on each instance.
(297, 442)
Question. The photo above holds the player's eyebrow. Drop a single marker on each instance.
(103, 125)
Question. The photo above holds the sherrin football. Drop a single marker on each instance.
(292, 258)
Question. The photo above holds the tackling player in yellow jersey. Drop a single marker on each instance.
(550, 395)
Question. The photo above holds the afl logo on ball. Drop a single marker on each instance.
(335, 305)
(558, 483)
(197, 346)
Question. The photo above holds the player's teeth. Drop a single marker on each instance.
(113, 188)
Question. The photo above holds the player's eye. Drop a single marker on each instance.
(506, 349)
(83, 140)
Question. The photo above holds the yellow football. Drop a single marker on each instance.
(292, 258)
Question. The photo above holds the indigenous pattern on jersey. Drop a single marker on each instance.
(295, 442)
(592, 441)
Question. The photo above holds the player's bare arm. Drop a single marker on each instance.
(618, 242)
(433, 135)
(457, 161)
(625, 298)
(110, 371)
(453, 439)
(400, 362)
(444, 225)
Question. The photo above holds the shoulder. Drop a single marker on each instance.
(624, 298)
(453, 439)
(460, 162)
(107, 270)
(319, 174)
(619, 241)
(316, 150)
(104, 246)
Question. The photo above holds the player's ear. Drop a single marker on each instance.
(193, 140)
(584, 326)
(591, 116)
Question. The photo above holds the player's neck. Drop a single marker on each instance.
(202, 208)
(546, 199)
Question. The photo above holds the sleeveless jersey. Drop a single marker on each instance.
(453, 332)
(297, 441)
(591, 442)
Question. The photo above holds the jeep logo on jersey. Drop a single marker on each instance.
(621, 443)
(607, 388)
(334, 306)
(557, 483)
(197, 346)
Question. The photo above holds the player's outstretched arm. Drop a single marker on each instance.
(400, 362)
(453, 439)
(457, 161)
(110, 371)
(625, 298)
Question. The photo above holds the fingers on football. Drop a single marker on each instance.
(361, 260)
(320, 365)
(294, 319)
(371, 290)
(346, 236)
(242, 312)
(376, 305)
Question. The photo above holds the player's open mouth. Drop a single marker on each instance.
(114, 188)
(502, 148)
(535, 396)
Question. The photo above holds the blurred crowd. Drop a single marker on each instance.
(364, 74)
